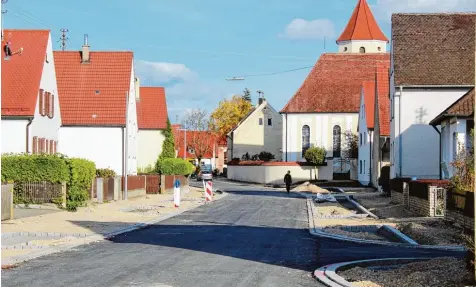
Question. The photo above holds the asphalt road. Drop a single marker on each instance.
(251, 237)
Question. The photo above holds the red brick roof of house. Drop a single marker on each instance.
(368, 88)
(152, 108)
(334, 84)
(21, 74)
(362, 25)
(383, 100)
(433, 49)
(463, 107)
(93, 93)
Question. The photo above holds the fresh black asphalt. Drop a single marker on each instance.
(252, 237)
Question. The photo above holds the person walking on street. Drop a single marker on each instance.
(288, 180)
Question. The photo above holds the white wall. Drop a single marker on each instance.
(252, 138)
(321, 126)
(99, 144)
(14, 136)
(132, 127)
(365, 139)
(415, 143)
(371, 46)
(44, 127)
(451, 145)
(274, 174)
(149, 147)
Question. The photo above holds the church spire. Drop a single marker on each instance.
(362, 34)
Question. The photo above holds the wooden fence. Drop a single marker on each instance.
(7, 201)
(39, 192)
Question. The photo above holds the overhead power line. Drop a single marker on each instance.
(267, 74)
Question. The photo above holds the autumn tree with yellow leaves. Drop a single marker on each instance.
(228, 114)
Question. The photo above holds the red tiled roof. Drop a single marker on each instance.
(383, 101)
(152, 108)
(369, 101)
(21, 74)
(108, 73)
(433, 49)
(192, 136)
(362, 25)
(335, 83)
(463, 107)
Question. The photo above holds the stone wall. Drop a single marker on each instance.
(419, 206)
(459, 219)
(397, 197)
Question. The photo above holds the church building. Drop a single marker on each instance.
(326, 105)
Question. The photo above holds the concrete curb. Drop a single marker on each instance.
(38, 234)
(328, 274)
(319, 233)
(361, 208)
(93, 238)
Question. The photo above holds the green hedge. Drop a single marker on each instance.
(82, 173)
(105, 173)
(77, 173)
(34, 168)
(174, 166)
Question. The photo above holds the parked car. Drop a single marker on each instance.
(205, 173)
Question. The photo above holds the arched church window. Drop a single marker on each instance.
(362, 50)
(336, 139)
(306, 135)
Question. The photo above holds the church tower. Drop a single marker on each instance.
(362, 34)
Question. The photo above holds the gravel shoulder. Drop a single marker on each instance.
(441, 272)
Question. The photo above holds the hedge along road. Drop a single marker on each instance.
(248, 238)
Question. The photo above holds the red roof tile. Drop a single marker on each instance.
(362, 25)
(152, 108)
(108, 73)
(21, 74)
(433, 49)
(369, 102)
(383, 101)
(334, 84)
(463, 107)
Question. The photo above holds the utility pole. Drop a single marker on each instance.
(63, 38)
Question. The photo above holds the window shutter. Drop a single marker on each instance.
(35, 145)
(42, 145)
(50, 146)
(51, 108)
(47, 104)
(41, 101)
(55, 143)
(47, 146)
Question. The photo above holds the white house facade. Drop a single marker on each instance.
(152, 121)
(365, 130)
(421, 89)
(31, 114)
(261, 130)
(99, 114)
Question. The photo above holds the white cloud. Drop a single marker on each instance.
(314, 29)
(162, 72)
(384, 9)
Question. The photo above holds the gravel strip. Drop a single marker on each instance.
(433, 233)
(356, 234)
(441, 272)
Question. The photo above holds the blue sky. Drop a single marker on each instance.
(191, 46)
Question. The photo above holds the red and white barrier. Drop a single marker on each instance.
(208, 190)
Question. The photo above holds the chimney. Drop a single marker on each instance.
(260, 101)
(260, 97)
(137, 88)
(85, 51)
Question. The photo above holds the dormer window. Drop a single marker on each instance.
(97, 92)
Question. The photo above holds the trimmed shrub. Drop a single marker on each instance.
(82, 173)
(315, 155)
(266, 156)
(34, 168)
(174, 166)
(105, 173)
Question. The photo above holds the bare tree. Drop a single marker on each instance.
(200, 141)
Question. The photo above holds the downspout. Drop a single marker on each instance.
(400, 146)
(439, 163)
(371, 154)
(286, 151)
(30, 120)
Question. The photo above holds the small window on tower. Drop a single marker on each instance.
(362, 50)
(345, 49)
(379, 48)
